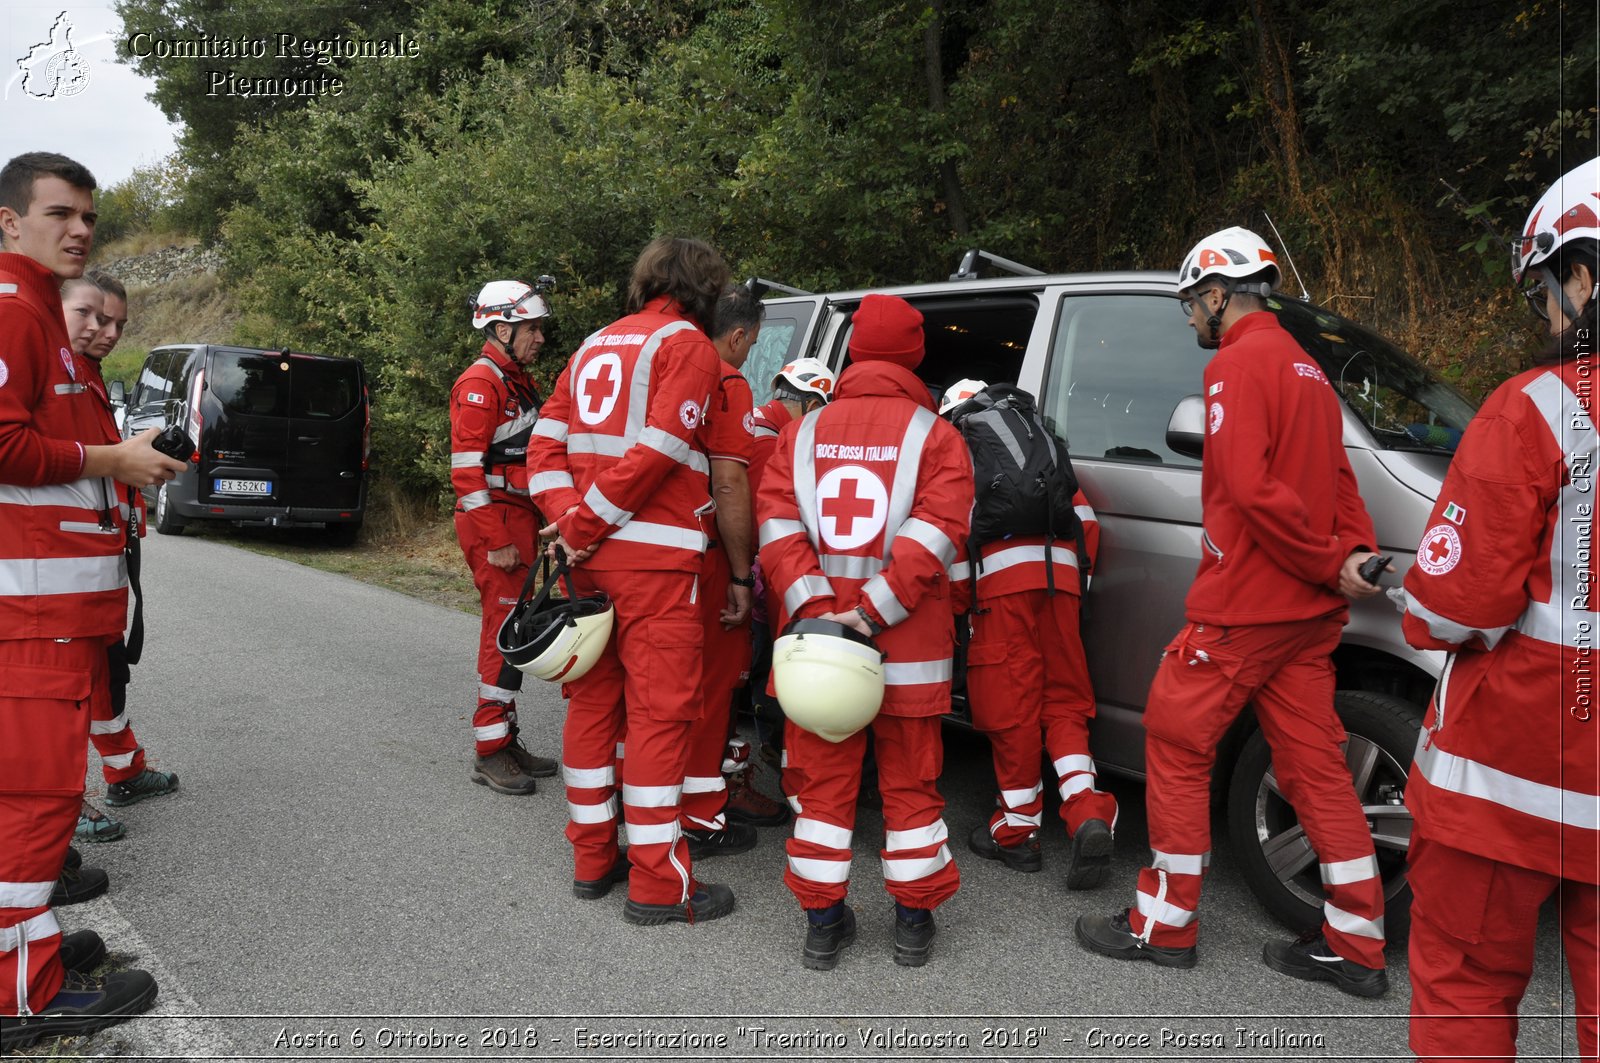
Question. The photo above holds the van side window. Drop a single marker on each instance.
(153, 385)
(783, 330)
(972, 338)
(1118, 366)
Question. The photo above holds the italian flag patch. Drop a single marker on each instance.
(1454, 513)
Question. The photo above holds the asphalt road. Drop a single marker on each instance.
(329, 883)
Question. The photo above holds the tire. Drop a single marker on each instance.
(166, 519)
(1279, 864)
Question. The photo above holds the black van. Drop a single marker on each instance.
(281, 437)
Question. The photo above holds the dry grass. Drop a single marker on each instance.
(142, 243)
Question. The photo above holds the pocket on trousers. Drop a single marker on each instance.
(672, 651)
(1197, 691)
(44, 728)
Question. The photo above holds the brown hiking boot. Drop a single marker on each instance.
(746, 804)
(501, 771)
(535, 767)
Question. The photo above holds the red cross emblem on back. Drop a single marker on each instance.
(846, 507)
(598, 385)
(852, 507)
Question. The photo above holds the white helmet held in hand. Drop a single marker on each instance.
(510, 301)
(808, 374)
(1569, 210)
(557, 639)
(1234, 254)
(959, 392)
(829, 677)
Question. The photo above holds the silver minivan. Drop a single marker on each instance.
(1111, 360)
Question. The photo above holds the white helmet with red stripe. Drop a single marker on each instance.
(959, 392)
(1568, 211)
(510, 301)
(808, 374)
(1236, 254)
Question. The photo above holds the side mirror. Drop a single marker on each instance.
(119, 394)
(1186, 430)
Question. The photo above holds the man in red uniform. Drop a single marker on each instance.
(1505, 787)
(861, 512)
(97, 311)
(1028, 685)
(710, 820)
(63, 598)
(492, 409)
(1285, 536)
(615, 462)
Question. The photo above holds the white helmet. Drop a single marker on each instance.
(1234, 253)
(829, 678)
(959, 392)
(1569, 210)
(808, 374)
(557, 639)
(510, 301)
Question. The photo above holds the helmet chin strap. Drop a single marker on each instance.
(1553, 285)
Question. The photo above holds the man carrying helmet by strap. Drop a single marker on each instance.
(861, 512)
(493, 406)
(615, 464)
(1028, 686)
(1285, 534)
(1505, 786)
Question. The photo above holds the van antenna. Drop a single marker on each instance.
(1305, 292)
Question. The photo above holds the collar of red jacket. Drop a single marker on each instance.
(664, 304)
(883, 380)
(40, 282)
(1254, 321)
(507, 364)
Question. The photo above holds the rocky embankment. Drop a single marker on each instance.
(163, 265)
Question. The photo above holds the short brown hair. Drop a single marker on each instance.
(16, 179)
(72, 284)
(107, 283)
(683, 268)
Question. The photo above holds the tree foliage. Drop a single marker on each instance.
(842, 145)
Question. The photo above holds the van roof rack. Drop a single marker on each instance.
(968, 269)
(761, 286)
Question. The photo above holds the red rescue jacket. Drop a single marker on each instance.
(864, 504)
(1509, 766)
(1017, 563)
(493, 406)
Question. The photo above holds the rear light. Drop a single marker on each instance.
(216, 509)
(195, 419)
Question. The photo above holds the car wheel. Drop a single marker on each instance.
(1279, 864)
(167, 521)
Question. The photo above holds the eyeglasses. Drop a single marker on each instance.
(1187, 305)
(1536, 296)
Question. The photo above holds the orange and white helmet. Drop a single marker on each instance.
(1568, 211)
(511, 301)
(1234, 253)
(959, 392)
(808, 374)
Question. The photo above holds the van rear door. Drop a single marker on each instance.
(246, 430)
(327, 424)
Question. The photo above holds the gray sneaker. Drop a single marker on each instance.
(148, 783)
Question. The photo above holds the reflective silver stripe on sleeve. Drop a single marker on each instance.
(912, 673)
(473, 500)
(777, 528)
(550, 481)
(903, 492)
(1085, 513)
(881, 595)
(523, 421)
(803, 590)
(604, 508)
(551, 429)
(1446, 630)
(37, 576)
(663, 442)
(639, 387)
(932, 539)
(466, 459)
(643, 531)
(960, 570)
(805, 475)
(848, 566)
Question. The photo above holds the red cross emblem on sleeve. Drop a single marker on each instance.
(1440, 550)
(852, 506)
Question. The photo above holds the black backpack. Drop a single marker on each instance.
(1024, 479)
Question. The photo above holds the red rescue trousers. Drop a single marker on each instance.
(51, 690)
(726, 661)
(645, 688)
(823, 780)
(121, 755)
(1285, 670)
(1473, 922)
(494, 723)
(1028, 685)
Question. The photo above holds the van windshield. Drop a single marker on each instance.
(1404, 404)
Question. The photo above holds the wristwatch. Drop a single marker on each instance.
(873, 627)
(748, 581)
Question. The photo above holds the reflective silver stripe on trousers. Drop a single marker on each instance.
(589, 778)
(827, 835)
(1557, 621)
(490, 692)
(107, 727)
(651, 796)
(489, 732)
(935, 833)
(62, 575)
(121, 760)
(1157, 910)
(773, 530)
(42, 925)
(914, 869)
(1459, 775)
(903, 493)
(1179, 863)
(1346, 872)
(831, 872)
(911, 673)
(603, 812)
(1447, 630)
(643, 531)
(1348, 923)
(25, 894)
(466, 459)
(549, 481)
(473, 500)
